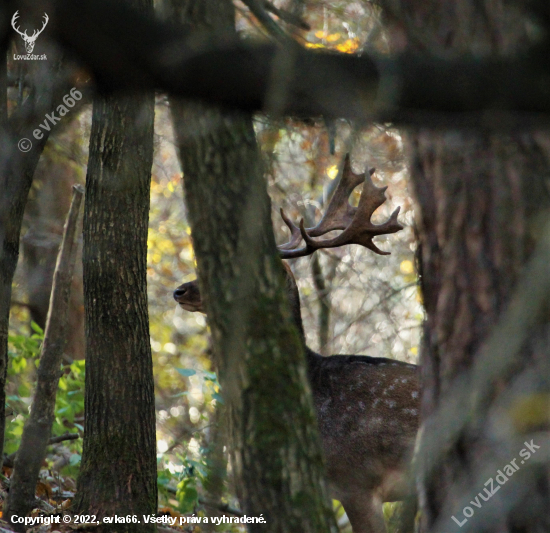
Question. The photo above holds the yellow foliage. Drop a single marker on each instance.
(530, 412)
(319, 34)
(349, 46)
(333, 37)
(406, 267)
(314, 45)
(332, 171)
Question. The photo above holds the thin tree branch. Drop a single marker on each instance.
(258, 9)
(285, 16)
(63, 438)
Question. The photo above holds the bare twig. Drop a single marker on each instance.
(285, 16)
(258, 9)
(63, 438)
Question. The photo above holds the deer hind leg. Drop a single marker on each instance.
(365, 514)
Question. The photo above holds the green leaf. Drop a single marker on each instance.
(187, 495)
(217, 397)
(75, 459)
(35, 327)
(186, 372)
(210, 376)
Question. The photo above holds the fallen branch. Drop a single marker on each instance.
(222, 507)
(63, 438)
(9, 459)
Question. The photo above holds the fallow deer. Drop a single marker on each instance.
(367, 407)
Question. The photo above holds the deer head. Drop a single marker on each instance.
(28, 39)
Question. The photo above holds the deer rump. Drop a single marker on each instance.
(367, 407)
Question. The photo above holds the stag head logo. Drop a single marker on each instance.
(29, 39)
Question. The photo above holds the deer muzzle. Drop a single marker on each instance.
(188, 296)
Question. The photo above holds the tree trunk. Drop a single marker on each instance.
(483, 202)
(471, 259)
(276, 448)
(118, 472)
(323, 298)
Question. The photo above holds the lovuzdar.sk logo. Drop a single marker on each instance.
(29, 40)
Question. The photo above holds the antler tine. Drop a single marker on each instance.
(339, 213)
(295, 235)
(360, 231)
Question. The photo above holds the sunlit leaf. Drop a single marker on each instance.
(187, 372)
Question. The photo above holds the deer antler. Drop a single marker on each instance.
(339, 213)
(355, 221)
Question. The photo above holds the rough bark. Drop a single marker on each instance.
(483, 202)
(37, 430)
(276, 448)
(472, 257)
(118, 472)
